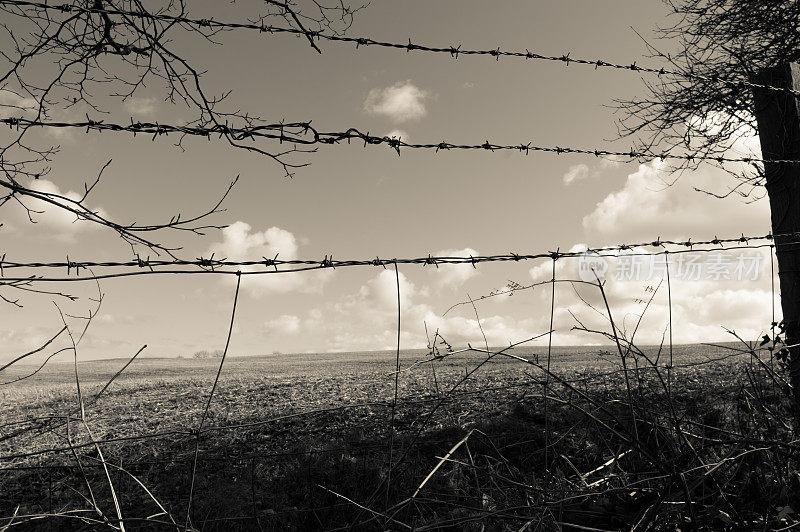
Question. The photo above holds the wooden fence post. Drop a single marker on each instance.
(778, 117)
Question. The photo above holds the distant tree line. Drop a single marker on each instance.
(217, 353)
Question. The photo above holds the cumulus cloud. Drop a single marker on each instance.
(580, 172)
(648, 206)
(13, 104)
(140, 106)
(59, 222)
(654, 202)
(287, 324)
(239, 241)
(707, 291)
(730, 289)
(577, 172)
(367, 319)
(401, 102)
(381, 292)
(455, 275)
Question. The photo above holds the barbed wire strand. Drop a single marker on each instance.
(451, 50)
(303, 133)
(212, 265)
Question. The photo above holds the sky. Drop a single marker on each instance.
(356, 202)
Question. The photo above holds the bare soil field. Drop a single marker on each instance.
(317, 442)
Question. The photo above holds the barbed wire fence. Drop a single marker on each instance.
(637, 372)
(622, 446)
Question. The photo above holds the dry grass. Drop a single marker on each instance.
(717, 452)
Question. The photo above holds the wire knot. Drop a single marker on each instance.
(206, 263)
(71, 264)
(271, 262)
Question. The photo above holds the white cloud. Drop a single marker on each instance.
(401, 102)
(367, 319)
(140, 106)
(455, 275)
(577, 172)
(239, 242)
(58, 221)
(655, 202)
(14, 105)
(700, 308)
(381, 291)
(648, 206)
(652, 203)
(286, 324)
(580, 172)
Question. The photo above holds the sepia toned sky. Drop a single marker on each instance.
(356, 202)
